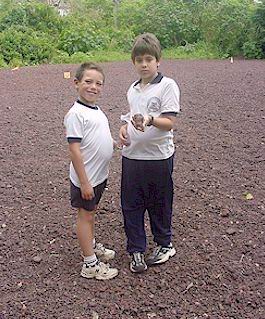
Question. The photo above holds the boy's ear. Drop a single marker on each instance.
(76, 82)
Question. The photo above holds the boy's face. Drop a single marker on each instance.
(90, 86)
(146, 66)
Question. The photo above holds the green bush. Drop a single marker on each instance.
(82, 38)
(225, 24)
(32, 32)
(171, 21)
(120, 39)
(109, 56)
(2, 62)
(60, 57)
(15, 62)
(37, 16)
(258, 21)
(252, 50)
(29, 46)
(79, 57)
(199, 50)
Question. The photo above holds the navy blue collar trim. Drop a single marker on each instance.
(156, 80)
(89, 106)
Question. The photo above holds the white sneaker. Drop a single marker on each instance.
(160, 255)
(103, 253)
(137, 263)
(100, 271)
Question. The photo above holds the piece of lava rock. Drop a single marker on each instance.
(138, 120)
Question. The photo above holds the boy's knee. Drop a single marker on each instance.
(86, 216)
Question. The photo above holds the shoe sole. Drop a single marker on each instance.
(161, 261)
(114, 274)
(98, 277)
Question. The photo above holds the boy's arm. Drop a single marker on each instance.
(86, 188)
(163, 122)
(170, 108)
(123, 135)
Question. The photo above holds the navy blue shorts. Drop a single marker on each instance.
(78, 202)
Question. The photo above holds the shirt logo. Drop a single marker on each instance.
(154, 104)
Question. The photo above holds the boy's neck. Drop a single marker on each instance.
(92, 106)
(85, 102)
(147, 81)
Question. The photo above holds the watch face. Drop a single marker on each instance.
(151, 119)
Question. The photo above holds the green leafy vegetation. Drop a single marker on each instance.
(33, 32)
(198, 50)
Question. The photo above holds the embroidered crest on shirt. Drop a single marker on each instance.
(153, 104)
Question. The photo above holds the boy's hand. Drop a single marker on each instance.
(116, 145)
(87, 191)
(140, 122)
(123, 135)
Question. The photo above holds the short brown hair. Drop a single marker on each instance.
(88, 66)
(146, 43)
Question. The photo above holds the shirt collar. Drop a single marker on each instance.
(156, 80)
(94, 107)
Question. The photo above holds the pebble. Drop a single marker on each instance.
(37, 259)
(231, 231)
(224, 213)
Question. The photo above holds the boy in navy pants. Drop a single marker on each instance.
(147, 156)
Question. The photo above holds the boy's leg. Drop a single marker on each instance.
(132, 202)
(92, 268)
(160, 212)
(160, 200)
(103, 253)
(85, 231)
(91, 206)
(133, 208)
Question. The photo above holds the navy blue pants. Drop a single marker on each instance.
(147, 185)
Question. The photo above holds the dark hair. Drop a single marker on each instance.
(146, 43)
(88, 66)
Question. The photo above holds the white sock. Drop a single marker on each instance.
(90, 260)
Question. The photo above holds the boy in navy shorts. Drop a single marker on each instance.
(91, 148)
(147, 156)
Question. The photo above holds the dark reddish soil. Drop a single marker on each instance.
(218, 272)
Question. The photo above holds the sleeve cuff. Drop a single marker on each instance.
(170, 113)
(74, 140)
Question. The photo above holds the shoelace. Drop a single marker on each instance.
(138, 258)
(104, 267)
(160, 249)
(157, 250)
(100, 246)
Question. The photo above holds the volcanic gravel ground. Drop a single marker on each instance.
(218, 223)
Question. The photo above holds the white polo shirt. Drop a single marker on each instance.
(161, 96)
(89, 126)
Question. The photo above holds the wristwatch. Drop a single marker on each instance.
(151, 120)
